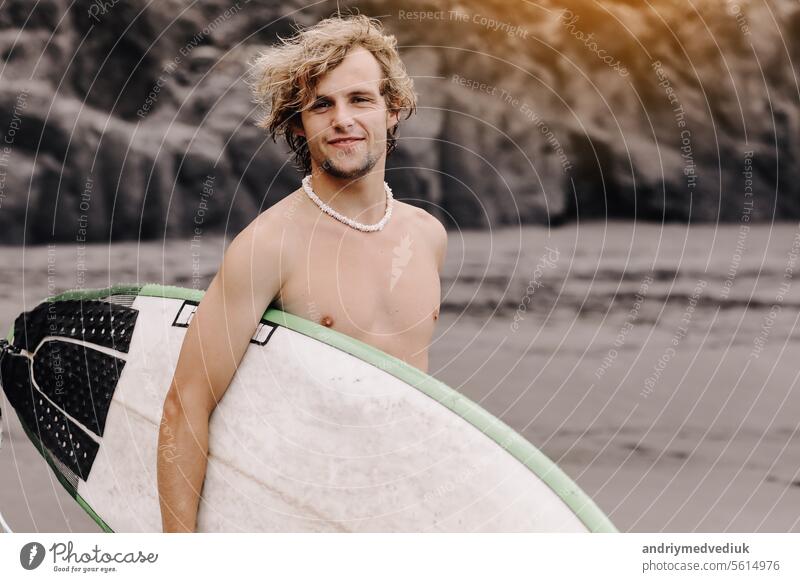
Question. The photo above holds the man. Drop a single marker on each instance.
(339, 250)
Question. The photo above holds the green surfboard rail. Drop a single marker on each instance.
(516, 445)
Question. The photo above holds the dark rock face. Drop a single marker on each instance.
(127, 120)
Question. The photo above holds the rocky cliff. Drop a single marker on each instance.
(131, 120)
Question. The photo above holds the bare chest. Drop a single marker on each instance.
(384, 291)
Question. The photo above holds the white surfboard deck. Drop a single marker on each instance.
(309, 437)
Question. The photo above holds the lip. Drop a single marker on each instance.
(345, 142)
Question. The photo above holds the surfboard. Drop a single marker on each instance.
(317, 432)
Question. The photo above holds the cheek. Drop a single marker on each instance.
(374, 119)
(313, 129)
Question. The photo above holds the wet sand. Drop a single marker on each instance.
(642, 359)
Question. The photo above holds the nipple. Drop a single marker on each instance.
(327, 321)
(436, 315)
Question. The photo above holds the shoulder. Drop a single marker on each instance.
(270, 233)
(422, 219)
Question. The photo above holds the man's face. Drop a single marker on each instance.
(345, 125)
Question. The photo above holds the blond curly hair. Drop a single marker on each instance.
(283, 77)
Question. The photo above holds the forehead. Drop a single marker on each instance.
(359, 70)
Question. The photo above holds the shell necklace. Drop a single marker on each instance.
(349, 221)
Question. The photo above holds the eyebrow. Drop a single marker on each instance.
(350, 94)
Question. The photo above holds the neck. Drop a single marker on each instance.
(362, 199)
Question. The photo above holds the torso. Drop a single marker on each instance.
(381, 287)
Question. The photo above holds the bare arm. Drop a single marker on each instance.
(215, 342)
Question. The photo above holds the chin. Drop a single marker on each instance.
(345, 173)
(349, 171)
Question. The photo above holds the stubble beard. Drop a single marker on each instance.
(329, 166)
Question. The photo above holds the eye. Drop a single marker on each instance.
(363, 99)
(319, 104)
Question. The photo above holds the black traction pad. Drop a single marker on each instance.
(78, 379)
(59, 435)
(72, 377)
(98, 322)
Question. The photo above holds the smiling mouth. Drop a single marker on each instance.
(344, 143)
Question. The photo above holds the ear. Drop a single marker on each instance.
(392, 118)
(296, 126)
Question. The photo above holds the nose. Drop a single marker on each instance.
(342, 117)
